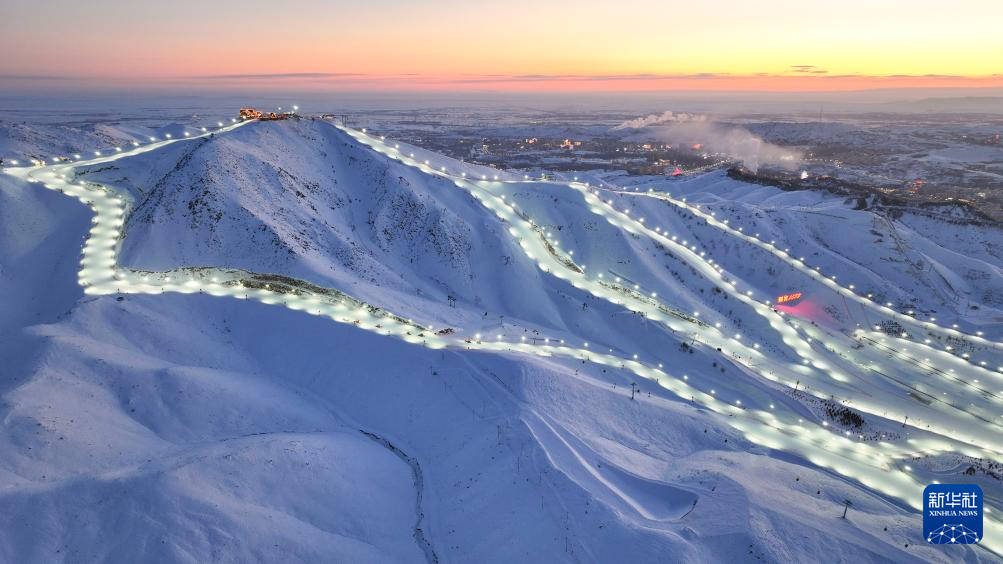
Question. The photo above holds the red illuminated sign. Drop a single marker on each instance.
(787, 298)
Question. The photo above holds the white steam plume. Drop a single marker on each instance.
(656, 119)
(735, 142)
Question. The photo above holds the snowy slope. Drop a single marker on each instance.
(945, 270)
(358, 222)
(185, 428)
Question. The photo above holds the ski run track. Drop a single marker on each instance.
(880, 465)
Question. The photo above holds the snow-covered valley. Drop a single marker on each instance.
(299, 341)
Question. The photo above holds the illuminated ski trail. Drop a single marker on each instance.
(987, 441)
(550, 262)
(972, 390)
(803, 348)
(818, 276)
(100, 274)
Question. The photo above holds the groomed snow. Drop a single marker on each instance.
(191, 427)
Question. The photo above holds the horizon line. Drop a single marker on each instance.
(803, 78)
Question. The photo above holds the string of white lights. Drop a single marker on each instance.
(877, 468)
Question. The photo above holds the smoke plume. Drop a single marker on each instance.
(656, 119)
(737, 143)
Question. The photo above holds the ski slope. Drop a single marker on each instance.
(519, 289)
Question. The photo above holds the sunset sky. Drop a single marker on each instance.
(503, 45)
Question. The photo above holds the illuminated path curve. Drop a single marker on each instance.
(550, 260)
(873, 466)
(836, 382)
(980, 438)
(798, 264)
(974, 402)
(946, 422)
(973, 390)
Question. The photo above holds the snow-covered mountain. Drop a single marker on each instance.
(606, 376)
